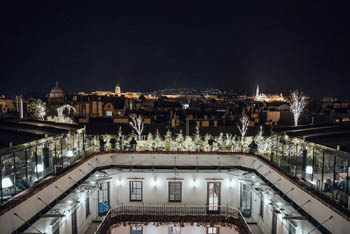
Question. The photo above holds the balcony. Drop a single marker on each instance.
(163, 214)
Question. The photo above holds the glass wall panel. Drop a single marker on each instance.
(21, 171)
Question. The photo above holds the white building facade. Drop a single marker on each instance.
(270, 202)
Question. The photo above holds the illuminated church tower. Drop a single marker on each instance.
(117, 90)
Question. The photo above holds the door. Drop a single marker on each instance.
(74, 222)
(213, 197)
(274, 223)
(246, 200)
(103, 198)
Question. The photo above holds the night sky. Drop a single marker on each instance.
(149, 46)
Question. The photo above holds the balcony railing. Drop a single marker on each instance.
(164, 213)
(322, 170)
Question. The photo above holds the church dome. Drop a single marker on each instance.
(56, 92)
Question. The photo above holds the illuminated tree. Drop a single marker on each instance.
(179, 141)
(158, 141)
(137, 124)
(263, 143)
(188, 144)
(220, 141)
(38, 109)
(65, 114)
(197, 140)
(120, 139)
(168, 140)
(206, 141)
(297, 104)
(244, 120)
(150, 141)
(228, 142)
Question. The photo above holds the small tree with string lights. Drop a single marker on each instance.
(297, 105)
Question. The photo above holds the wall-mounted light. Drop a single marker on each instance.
(70, 153)
(195, 183)
(155, 182)
(309, 170)
(6, 182)
(230, 183)
(119, 182)
(39, 168)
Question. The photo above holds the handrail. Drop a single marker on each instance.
(244, 227)
(105, 223)
(174, 210)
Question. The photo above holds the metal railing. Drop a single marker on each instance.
(105, 224)
(202, 214)
(174, 210)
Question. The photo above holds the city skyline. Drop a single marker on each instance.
(150, 46)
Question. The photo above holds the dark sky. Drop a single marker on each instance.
(281, 45)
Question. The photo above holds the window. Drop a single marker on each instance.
(245, 200)
(174, 230)
(213, 196)
(109, 113)
(135, 190)
(212, 230)
(262, 204)
(136, 230)
(175, 191)
(87, 206)
(103, 198)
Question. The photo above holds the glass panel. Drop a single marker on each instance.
(8, 181)
(175, 191)
(213, 196)
(246, 200)
(135, 190)
(21, 171)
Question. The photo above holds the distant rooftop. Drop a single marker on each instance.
(331, 135)
(22, 131)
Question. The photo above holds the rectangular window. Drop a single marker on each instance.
(109, 113)
(136, 230)
(135, 190)
(212, 230)
(261, 212)
(103, 198)
(87, 206)
(175, 191)
(174, 230)
(213, 196)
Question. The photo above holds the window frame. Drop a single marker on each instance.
(175, 182)
(216, 232)
(130, 191)
(87, 207)
(262, 206)
(136, 231)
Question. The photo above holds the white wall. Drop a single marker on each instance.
(316, 208)
(83, 222)
(156, 191)
(150, 229)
